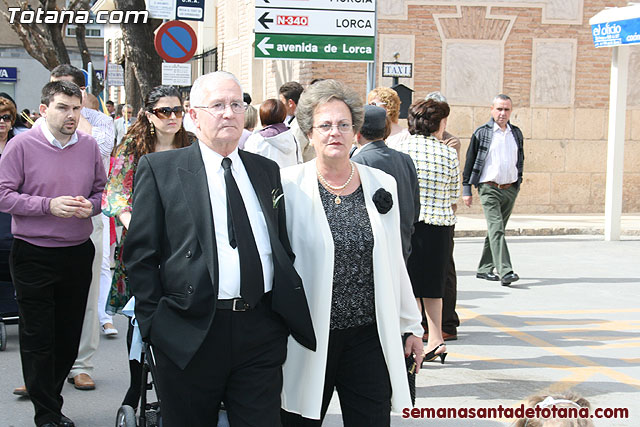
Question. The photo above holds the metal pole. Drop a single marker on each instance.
(615, 147)
(372, 66)
(90, 76)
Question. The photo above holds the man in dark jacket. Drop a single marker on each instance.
(372, 151)
(495, 160)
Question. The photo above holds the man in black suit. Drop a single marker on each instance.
(211, 267)
(372, 151)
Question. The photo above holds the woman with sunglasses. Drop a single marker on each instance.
(157, 128)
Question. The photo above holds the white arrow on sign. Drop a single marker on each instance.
(264, 45)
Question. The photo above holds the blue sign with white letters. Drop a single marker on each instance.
(8, 74)
(616, 33)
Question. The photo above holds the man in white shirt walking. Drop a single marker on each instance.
(494, 164)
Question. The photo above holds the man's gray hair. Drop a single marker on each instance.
(436, 96)
(501, 97)
(198, 89)
(323, 92)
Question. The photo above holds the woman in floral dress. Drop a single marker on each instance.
(158, 127)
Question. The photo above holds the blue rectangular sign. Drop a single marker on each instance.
(8, 74)
(616, 33)
(190, 10)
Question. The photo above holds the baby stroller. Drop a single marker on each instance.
(8, 304)
(8, 309)
(149, 411)
(150, 415)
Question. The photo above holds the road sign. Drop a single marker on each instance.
(176, 42)
(362, 5)
(319, 48)
(317, 30)
(115, 74)
(397, 69)
(186, 10)
(325, 22)
(162, 9)
(192, 10)
(176, 74)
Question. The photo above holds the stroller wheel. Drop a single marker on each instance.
(126, 417)
(3, 337)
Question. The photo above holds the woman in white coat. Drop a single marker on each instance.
(344, 226)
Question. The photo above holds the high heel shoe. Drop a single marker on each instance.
(432, 355)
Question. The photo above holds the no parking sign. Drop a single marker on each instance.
(176, 42)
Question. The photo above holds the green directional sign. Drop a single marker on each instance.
(320, 48)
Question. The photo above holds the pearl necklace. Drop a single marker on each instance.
(340, 188)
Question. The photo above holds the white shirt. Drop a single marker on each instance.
(101, 130)
(500, 164)
(52, 139)
(228, 259)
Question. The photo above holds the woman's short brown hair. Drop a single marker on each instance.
(7, 106)
(425, 116)
(272, 111)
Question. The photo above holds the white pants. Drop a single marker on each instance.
(90, 337)
(105, 273)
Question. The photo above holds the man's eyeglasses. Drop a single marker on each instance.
(325, 128)
(378, 103)
(165, 112)
(6, 117)
(219, 107)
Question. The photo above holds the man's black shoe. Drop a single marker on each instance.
(488, 276)
(509, 278)
(65, 422)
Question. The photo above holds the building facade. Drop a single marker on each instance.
(31, 75)
(539, 52)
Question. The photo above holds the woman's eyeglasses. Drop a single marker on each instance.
(378, 103)
(325, 128)
(165, 112)
(6, 117)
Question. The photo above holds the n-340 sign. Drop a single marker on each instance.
(316, 22)
(323, 30)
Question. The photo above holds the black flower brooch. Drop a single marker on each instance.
(383, 200)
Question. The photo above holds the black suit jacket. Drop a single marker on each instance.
(171, 257)
(400, 166)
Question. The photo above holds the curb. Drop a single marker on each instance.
(558, 231)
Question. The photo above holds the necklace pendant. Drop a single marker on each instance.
(338, 200)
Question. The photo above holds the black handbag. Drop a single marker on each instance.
(410, 363)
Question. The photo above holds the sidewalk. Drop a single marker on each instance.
(547, 225)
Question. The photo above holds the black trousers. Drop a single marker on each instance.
(239, 363)
(450, 320)
(52, 285)
(357, 370)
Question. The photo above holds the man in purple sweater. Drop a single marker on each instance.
(51, 182)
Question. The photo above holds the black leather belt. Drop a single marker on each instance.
(235, 304)
(239, 304)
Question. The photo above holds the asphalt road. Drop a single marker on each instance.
(571, 322)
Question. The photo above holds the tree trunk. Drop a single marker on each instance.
(55, 34)
(131, 87)
(140, 53)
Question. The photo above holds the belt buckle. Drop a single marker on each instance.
(244, 306)
(502, 186)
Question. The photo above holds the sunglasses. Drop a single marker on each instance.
(165, 112)
(6, 117)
